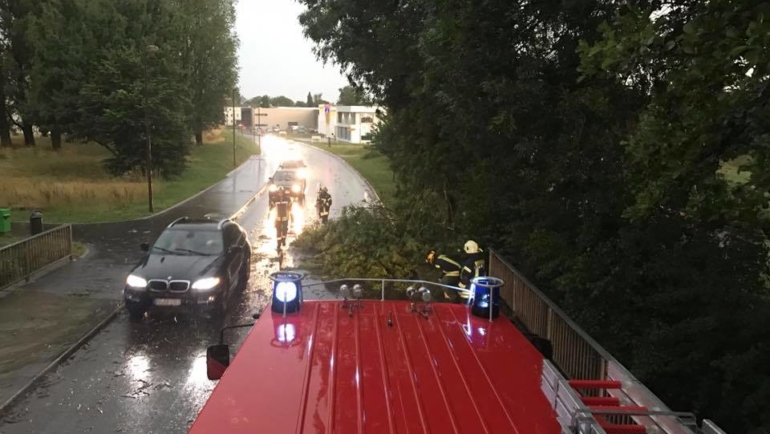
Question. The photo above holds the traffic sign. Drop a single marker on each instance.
(326, 108)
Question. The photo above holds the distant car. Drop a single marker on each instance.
(293, 185)
(196, 264)
(302, 130)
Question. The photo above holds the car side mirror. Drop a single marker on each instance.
(145, 247)
(217, 361)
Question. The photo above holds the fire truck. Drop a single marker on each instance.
(369, 361)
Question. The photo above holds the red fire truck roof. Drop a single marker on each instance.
(324, 371)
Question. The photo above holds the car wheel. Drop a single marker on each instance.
(243, 276)
(135, 310)
(221, 306)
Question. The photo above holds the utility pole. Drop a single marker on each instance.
(259, 127)
(150, 49)
(234, 164)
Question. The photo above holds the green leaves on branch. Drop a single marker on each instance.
(363, 242)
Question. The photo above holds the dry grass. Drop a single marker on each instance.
(71, 185)
(213, 136)
(23, 194)
(40, 178)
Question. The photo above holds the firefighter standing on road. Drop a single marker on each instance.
(474, 265)
(323, 204)
(281, 217)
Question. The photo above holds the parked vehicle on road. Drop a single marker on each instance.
(195, 264)
(291, 181)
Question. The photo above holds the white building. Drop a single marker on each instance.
(351, 124)
(229, 115)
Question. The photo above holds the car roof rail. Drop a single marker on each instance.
(180, 219)
(222, 223)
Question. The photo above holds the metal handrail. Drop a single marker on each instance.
(543, 317)
(18, 261)
(383, 281)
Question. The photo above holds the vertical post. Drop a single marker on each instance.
(383, 290)
(148, 51)
(234, 164)
(259, 128)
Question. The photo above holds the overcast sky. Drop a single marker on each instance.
(274, 56)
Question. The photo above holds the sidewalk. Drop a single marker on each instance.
(41, 319)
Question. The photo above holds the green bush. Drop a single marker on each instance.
(363, 242)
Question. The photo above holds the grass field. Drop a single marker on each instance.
(372, 165)
(70, 186)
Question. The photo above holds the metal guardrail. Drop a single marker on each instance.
(18, 261)
(581, 357)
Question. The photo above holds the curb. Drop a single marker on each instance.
(62, 357)
(366, 181)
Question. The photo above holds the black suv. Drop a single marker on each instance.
(194, 263)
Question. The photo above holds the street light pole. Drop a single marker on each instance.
(234, 129)
(150, 49)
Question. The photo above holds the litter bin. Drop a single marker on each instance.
(485, 293)
(5, 220)
(35, 223)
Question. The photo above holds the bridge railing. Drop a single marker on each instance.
(18, 261)
(578, 356)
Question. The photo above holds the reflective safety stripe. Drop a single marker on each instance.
(446, 259)
(452, 273)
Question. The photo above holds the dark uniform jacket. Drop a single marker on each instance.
(473, 266)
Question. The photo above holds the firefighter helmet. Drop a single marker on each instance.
(471, 247)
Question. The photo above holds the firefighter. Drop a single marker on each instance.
(449, 266)
(281, 217)
(323, 204)
(474, 265)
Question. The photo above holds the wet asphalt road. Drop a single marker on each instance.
(149, 376)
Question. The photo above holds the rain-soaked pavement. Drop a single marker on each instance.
(149, 376)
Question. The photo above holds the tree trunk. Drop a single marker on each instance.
(56, 139)
(199, 138)
(5, 123)
(5, 126)
(29, 136)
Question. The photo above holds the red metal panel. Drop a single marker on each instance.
(323, 371)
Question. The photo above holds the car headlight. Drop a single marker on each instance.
(136, 282)
(206, 284)
(273, 187)
(302, 173)
(295, 188)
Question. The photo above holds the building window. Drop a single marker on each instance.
(366, 119)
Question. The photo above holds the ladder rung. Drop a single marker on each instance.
(595, 384)
(629, 408)
(613, 428)
(600, 400)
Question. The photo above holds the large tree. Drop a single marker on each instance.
(136, 85)
(281, 101)
(350, 95)
(209, 59)
(59, 67)
(494, 132)
(16, 17)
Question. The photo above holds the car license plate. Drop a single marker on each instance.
(168, 302)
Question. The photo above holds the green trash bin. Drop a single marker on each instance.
(5, 220)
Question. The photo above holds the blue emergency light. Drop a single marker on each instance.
(485, 293)
(287, 292)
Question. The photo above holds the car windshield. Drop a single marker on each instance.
(284, 176)
(192, 242)
(292, 164)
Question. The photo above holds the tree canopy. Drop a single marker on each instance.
(116, 72)
(589, 141)
(350, 95)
